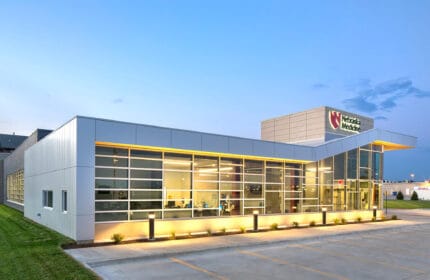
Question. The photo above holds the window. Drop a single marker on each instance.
(47, 199)
(15, 186)
(64, 201)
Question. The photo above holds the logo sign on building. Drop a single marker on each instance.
(344, 122)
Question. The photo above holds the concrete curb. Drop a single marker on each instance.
(252, 244)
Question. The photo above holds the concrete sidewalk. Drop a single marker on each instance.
(114, 254)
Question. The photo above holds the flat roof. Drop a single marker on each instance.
(111, 132)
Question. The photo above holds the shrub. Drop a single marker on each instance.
(414, 196)
(223, 230)
(209, 231)
(295, 224)
(343, 221)
(358, 219)
(394, 217)
(117, 238)
(172, 235)
(189, 234)
(399, 196)
(242, 229)
(336, 221)
(312, 224)
(373, 219)
(274, 226)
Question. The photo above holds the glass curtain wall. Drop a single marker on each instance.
(294, 187)
(131, 183)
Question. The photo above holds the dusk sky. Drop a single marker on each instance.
(218, 66)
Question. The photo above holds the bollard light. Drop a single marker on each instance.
(374, 211)
(151, 217)
(255, 213)
(324, 215)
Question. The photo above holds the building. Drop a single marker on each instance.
(390, 189)
(8, 143)
(92, 177)
(13, 175)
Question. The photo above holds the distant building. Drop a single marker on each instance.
(92, 177)
(407, 188)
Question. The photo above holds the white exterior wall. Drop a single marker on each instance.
(63, 161)
(51, 165)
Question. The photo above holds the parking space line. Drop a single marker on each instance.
(389, 250)
(397, 239)
(331, 253)
(277, 260)
(197, 268)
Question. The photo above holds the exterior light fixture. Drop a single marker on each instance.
(374, 211)
(255, 213)
(324, 215)
(151, 217)
(386, 205)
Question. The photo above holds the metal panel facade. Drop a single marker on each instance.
(65, 160)
(50, 165)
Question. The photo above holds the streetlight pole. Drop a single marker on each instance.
(386, 204)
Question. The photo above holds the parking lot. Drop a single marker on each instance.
(400, 250)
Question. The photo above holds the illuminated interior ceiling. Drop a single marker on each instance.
(205, 153)
(390, 146)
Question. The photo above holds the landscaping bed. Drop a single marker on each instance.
(223, 232)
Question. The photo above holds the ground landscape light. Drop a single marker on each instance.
(324, 215)
(255, 212)
(151, 217)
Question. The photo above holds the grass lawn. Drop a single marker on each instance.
(31, 251)
(408, 204)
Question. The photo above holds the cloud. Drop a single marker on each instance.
(360, 103)
(382, 118)
(318, 86)
(382, 97)
(118, 100)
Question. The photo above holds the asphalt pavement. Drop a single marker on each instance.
(395, 249)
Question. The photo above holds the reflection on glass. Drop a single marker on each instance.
(111, 184)
(364, 158)
(143, 163)
(339, 166)
(274, 202)
(111, 151)
(253, 167)
(109, 161)
(274, 175)
(111, 195)
(145, 154)
(352, 164)
(253, 191)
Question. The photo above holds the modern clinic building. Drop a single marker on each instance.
(92, 177)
